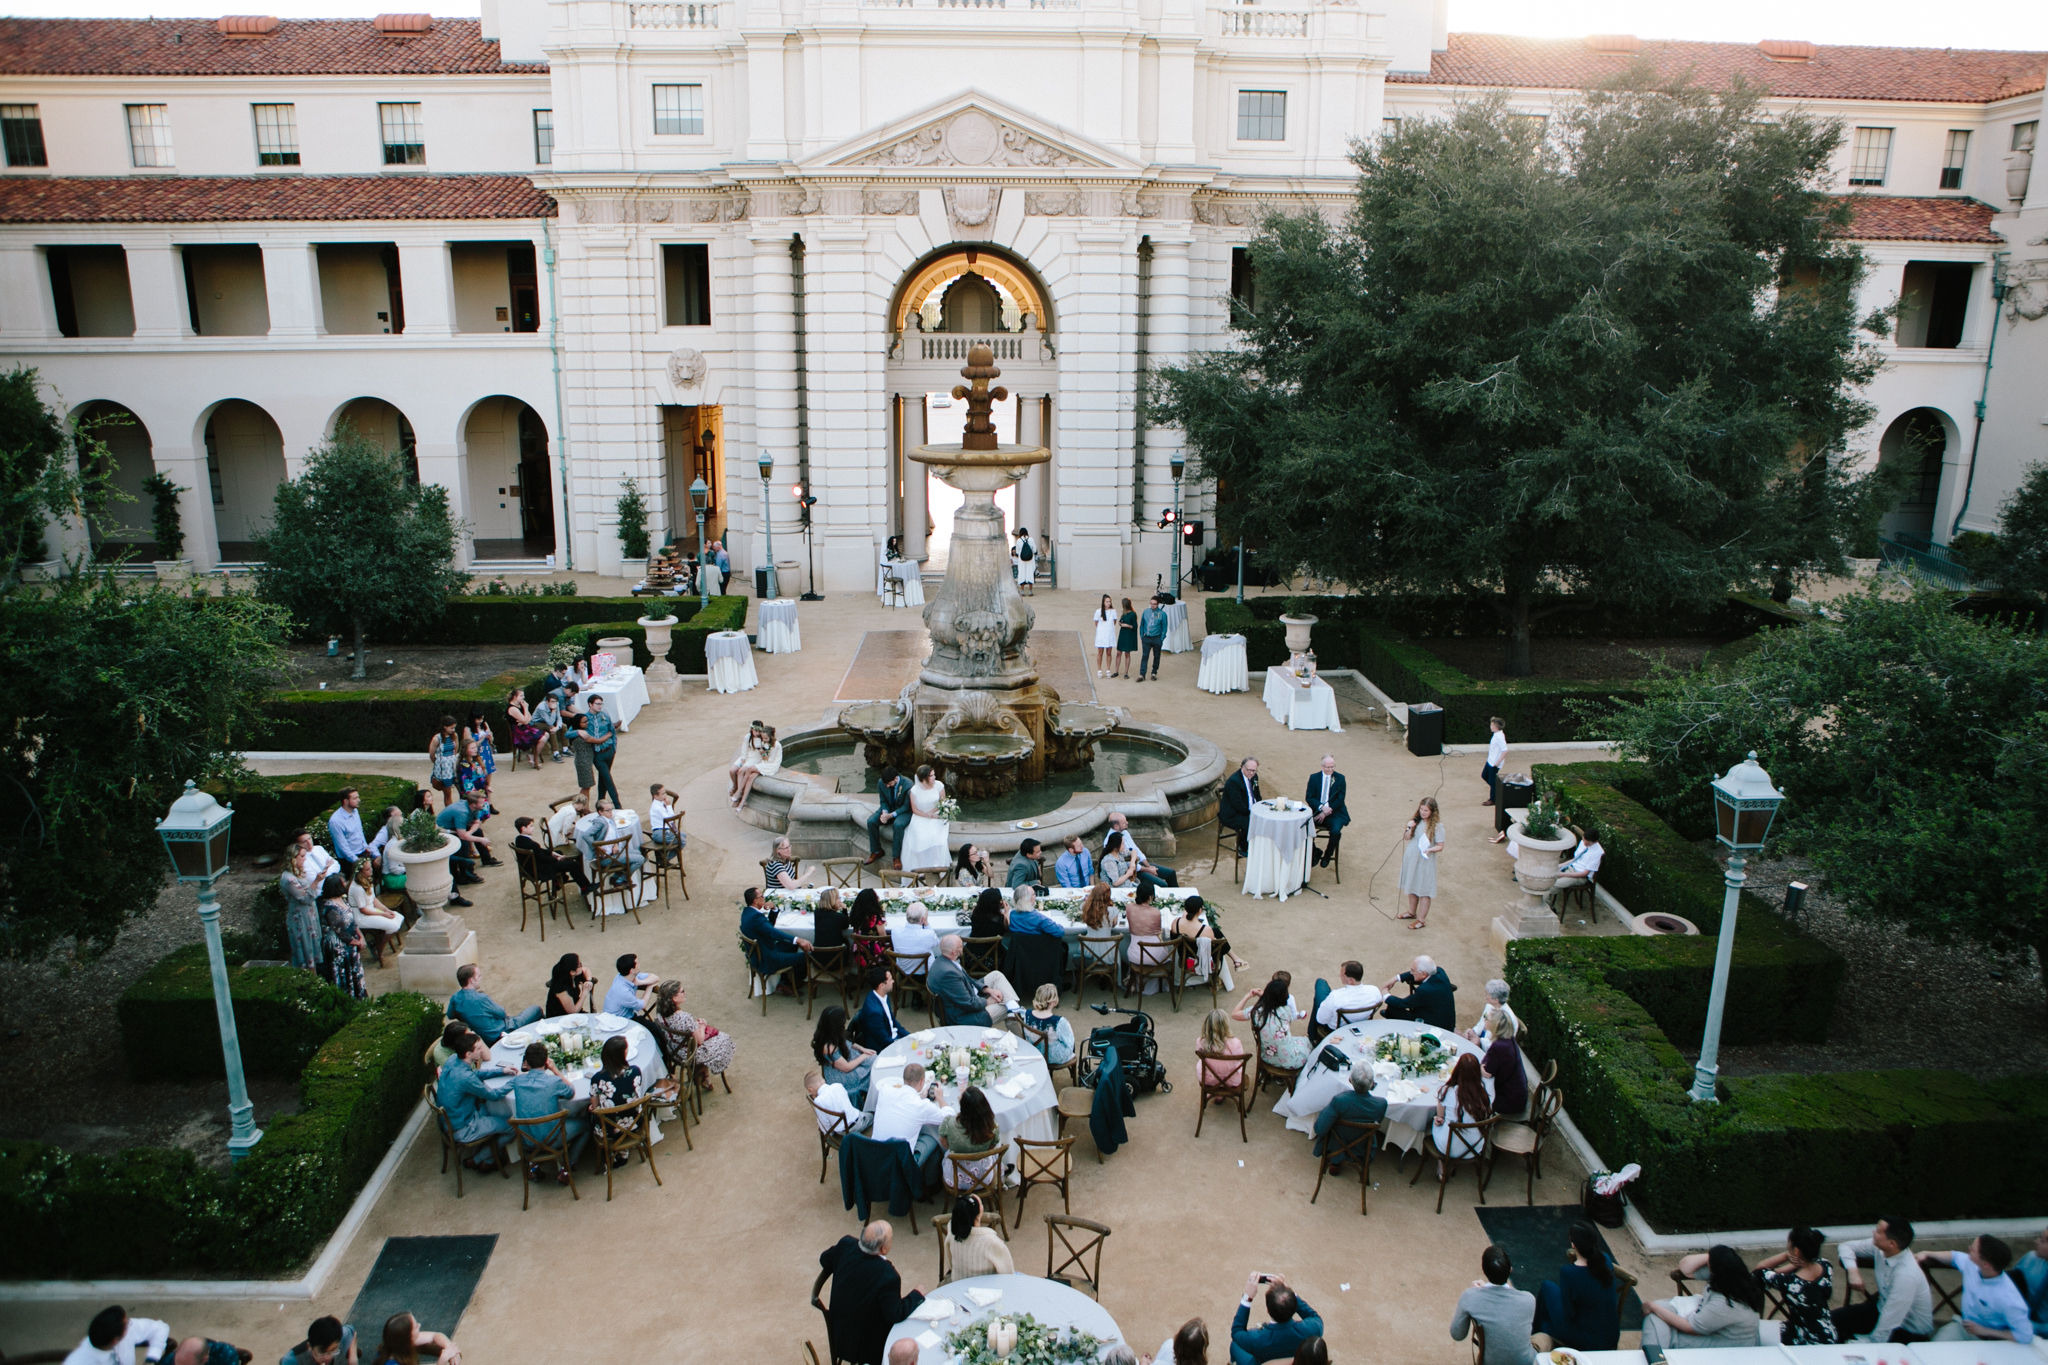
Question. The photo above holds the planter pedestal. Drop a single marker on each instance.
(663, 684)
(439, 943)
(1530, 915)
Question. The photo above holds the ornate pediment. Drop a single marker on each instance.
(970, 132)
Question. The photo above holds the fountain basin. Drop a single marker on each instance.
(977, 765)
(1071, 729)
(885, 726)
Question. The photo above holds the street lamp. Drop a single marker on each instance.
(1180, 464)
(699, 496)
(774, 589)
(195, 834)
(1745, 803)
(805, 501)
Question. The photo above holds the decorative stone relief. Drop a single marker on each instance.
(657, 210)
(1229, 213)
(972, 206)
(889, 201)
(1141, 206)
(970, 138)
(686, 367)
(704, 210)
(737, 207)
(1055, 203)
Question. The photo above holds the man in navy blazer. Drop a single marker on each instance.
(1326, 798)
(778, 949)
(1234, 805)
(876, 1026)
(892, 813)
(1293, 1322)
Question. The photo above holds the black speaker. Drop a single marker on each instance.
(1425, 730)
(1191, 533)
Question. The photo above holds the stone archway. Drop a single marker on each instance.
(1920, 440)
(383, 423)
(244, 464)
(506, 469)
(127, 526)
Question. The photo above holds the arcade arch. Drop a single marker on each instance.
(127, 525)
(507, 479)
(1919, 440)
(244, 465)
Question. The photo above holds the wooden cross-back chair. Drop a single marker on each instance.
(1353, 1142)
(1078, 1241)
(1229, 1082)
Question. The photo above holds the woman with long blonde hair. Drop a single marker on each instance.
(1425, 836)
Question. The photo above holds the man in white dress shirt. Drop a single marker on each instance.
(1581, 867)
(1147, 869)
(914, 938)
(1904, 1310)
(903, 1111)
(563, 820)
(1354, 994)
(1496, 754)
(831, 1100)
(113, 1336)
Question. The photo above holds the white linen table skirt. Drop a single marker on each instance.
(910, 574)
(1300, 708)
(1276, 859)
(1177, 641)
(624, 690)
(1223, 666)
(1411, 1105)
(729, 660)
(779, 630)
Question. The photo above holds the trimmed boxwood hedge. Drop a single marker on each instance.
(686, 643)
(520, 620)
(265, 1219)
(1780, 1149)
(271, 810)
(282, 1014)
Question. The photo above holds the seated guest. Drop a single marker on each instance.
(569, 988)
(1118, 868)
(1269, 1009)
(1074, 867)
(2032, 1270)
(1496, 1020)
(959, 997)
(977, 1248)
(661, 808)
(1027, 868)
(328, 1342)
(914, 941)
(602, 826)
(903, 1112)
(1904, 1308)
(1360, 1105)
(831, 1097)
(866, 1296)
(1993, 1307)
(563, 821)
(1188, 1346)
(892, 814)
(875, 1027)
(1059, 1034)
(403, 1338)
(370, 912)
(1147, 870)
(1194, 920)
(547, 718)
(781, 871)
(1026, 918)
(1578, 1308)
(1464, 1098)
(548, 865)
(689, 1034)
(617, 1082)
(1506, 1079)
(1293, 1322)
(1581, 867)
(778, 950)
(1234, 803)
(971, 867)
(866, 917)
(207, 1351)
(1428, 998)
(458, 820)
(539, 1091)
(485, 1017)
(1804, 1282)
(468, 1102)
(1218, 1038)
(828, 920)
(989, 919)
(1098, 911)
(1353, 994)
(839, 1057)
(1314, 1351)
(1143, 920)
(448, 1044)
(1504, 1312)
(1725, 1315)
(113, 1338)
(622, 997)
(972, 1132)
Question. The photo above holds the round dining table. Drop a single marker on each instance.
(956, 1305)
(1278, 847)
(1023, 1097)
(641, 1051)
(779, 631)
(1223, 665)
(1411, 1104)
(729, 661)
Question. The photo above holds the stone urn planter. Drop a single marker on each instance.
(2019, 169)
(172, 572)
(440, 942)
(1529, 916)
(633, 570)
(1298, 628)
(620, 647)
(662, 682)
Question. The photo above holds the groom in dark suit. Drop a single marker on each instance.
(892, 813)
(1326, 798)
(1240, 794)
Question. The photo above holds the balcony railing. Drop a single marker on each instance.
(955, 348)
(658, 15)
(1258, 22)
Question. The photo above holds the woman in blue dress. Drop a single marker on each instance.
(301, 920)
(444, 751)
(1579, 1308)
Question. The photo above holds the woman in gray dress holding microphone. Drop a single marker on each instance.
(1418, 862)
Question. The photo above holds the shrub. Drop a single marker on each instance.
(165, 521)
(632, 513)
(271, 810)
(513, 619)
(420, 833)
(686, 643)
(382, 722)
(169, 1030)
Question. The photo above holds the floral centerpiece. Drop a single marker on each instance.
(573, 1048)
(977, 1065)
(948, 810)
(1021, 1340)
(1416, 1054)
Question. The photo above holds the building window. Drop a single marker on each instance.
(149, 134)
(1934, 304)
(1262, 115)
(1952, 160)
(1870, 156)
(679, 109)
(405, 138)
(1390, 127)
(543, 137)
(1244, 279)
(2023, 135)
(277, 135)
(21, 127)
(686, 280)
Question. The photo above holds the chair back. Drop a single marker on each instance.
(1459, 1140)
(932, 876)
(440, 1114)
(843, 872)
(874, 944)
(1098, 953)
(622, 1126)
(1040, 1161)
(1350, 1140)
(981, 1173)
(980, 956)
(522, 858)
(1223, 1073)
(833, 1126)
(1478, 1344)
(544, 1139)
(670, 845)
(1078, 1244)
(1035, 960)
(610, 855)
(1358, 1014)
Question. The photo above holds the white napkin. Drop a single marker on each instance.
(516, 1039)
(896, 1063)
(927, 1341)
(982, 1297)
(934, 1310)
(608, 1023)
(1018, 1087)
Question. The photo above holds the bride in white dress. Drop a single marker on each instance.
(924, 843)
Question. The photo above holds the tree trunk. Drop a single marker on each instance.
(1781, 585)
(1515, 663)
(359, 674)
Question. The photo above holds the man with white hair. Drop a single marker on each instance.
(914, 940)
(1356, 1105)
(1326, 798)
(1429, 997)
(962, 1000)
(867, 1297)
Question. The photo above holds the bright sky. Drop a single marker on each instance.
(1879, 23)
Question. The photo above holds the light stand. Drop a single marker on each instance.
(195, 834)
(1180, 464)
(1240, 570)
(805, 500)
(1745, 802)
(773, 589)
(699, 495)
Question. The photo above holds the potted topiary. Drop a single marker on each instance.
(423, 851)
(632, 512)
(1539, 841)
(167, 524)
(1299, 621)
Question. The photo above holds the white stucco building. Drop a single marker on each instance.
(587, 240)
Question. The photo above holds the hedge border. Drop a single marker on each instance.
(169, 1030)
(272, 810)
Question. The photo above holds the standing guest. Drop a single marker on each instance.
(1126, 641)
(1904, 1308)
(468, 1102)
(839, 1057)
(345, 830)
(1044, 1016)
(1429, 997)
(1074, 869)
(778, 949)
(403, 1337)
(1727, 1314)
(113, 1337)
(661, 808)
(370, 913)
(474, 782)
(914, 941)
(1028, 867)
(1496, 1020)
(960, 998)
(539, 1091)
(1217, 1038)
(1360, 1105)
(971, 867)
(867, 1297)
(1578, 1308)
(2032, 1272)
(831, 1097)
(875, 1027)
(781, 871)
(603, 737)
(1147, 869)
(301, 886)
(1804, 1281)
(528, 738)
(1024, 561)
(1292, 1323)
(892, 814)
(478, 732)
(444, 751)
(623, 996)
(1105, 636)
(1506, 1314)
(319, 862)
(1270, 1009)
(1326, 798)
(569, 988)
(1188, 1346)
(341, 940)
(1993, 1307)
(1234, 805)
(617, 1082)
(866, 918)
(1461, 1099)
(580, 742)
(1151, 638)
(972, 1132)
(548, 865)
(760, 755)
(988, 919)
(486, 1018)
(1026, 918)
(689, 1034)
(724, 567)
(1496, 754)
(1425, 836)
(1353, 994)
(977, 1248)
(903, 1113)
(328, 1342)
(1506, 1079)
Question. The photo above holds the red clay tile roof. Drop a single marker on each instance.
(196, 47)
(260, 199)
(1888, 218)
(1861, 73)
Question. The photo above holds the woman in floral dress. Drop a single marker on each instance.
(686, 1033)
(1270, 1011)
(866, 917)
(617, 1082)
(473, 780)
(301, 919)
(342, 939)
(1805, 1281)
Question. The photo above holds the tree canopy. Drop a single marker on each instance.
(1615, 360)
(355, 546)
(2017, 557)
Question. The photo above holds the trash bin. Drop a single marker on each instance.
(1516, 790)
(764, 589)
(1425, 729)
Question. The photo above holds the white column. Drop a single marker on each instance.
(1172, 297)
(291, 279)
(774, 340)
(156, 286)
(849, 430)
(1092, 410)
(916, 489)
(27, 308)
(427, 279)
(767, 117)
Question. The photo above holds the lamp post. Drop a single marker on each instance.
(1745, 803)
(699, 495)
(774, 589)
(195, 834)
(805, 501)
(1180, 464)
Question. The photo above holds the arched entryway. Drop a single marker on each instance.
(126, 528)
(382, 422)
(1917, 441)
(244, 464)
(506, 472)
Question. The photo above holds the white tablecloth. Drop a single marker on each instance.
(729, 659)
(626, 822)
(1050, 1302)
(1411, 1105)
(1276, 860)
(641, 1051)
(1223, 666)
(1177, 641)
(779, 633)
(945, 904)
(1300, 708)
(1029, 1115)
(1938, 1352)
(624, 690)
(909, 573)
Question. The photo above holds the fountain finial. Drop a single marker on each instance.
(980, 432)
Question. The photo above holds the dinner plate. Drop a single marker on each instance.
(1027, 824)
(517, 1039)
